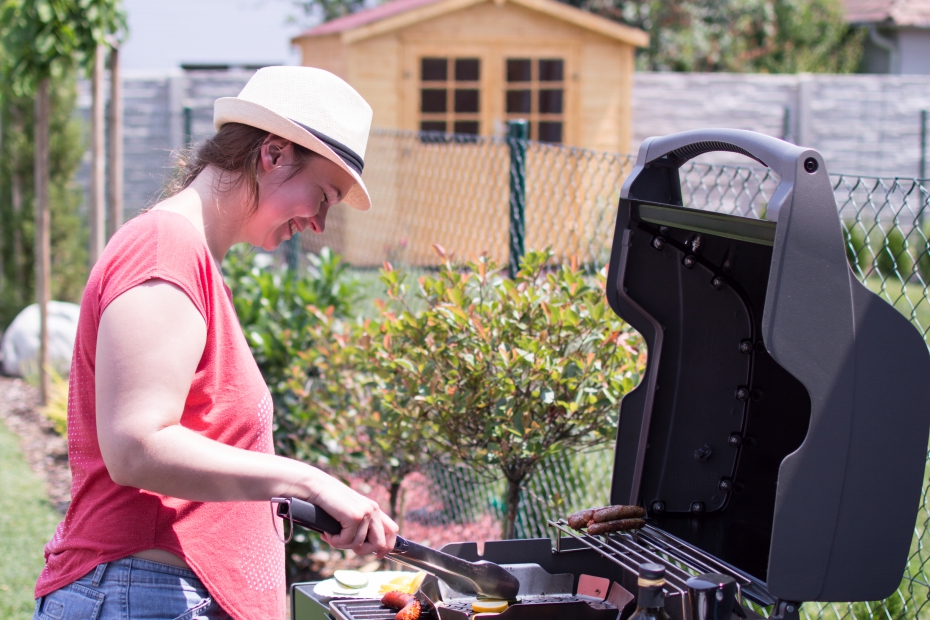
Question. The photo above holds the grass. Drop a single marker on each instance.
(27, 522)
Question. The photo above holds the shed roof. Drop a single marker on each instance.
(400, 13)
(892, 12)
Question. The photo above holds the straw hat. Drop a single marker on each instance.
(312, 108)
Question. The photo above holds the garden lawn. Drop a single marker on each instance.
(27, 522)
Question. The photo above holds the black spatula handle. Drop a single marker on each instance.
(307, 515)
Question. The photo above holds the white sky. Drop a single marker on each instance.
(165, 33)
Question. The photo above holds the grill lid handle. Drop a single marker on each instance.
(777, 154)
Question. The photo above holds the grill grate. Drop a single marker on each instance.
(369, 609)
(681, 560)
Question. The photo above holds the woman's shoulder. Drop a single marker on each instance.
(156, 244)
(157, 235)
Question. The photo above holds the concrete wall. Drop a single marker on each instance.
(862, 124)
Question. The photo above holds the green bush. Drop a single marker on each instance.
(272, 306)
(493, 373)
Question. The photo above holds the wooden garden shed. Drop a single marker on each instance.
(467, 67)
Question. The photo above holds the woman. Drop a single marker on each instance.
(169, 420)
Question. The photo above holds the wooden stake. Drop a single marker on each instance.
(42, 241)
(115, 160)
(97, 205)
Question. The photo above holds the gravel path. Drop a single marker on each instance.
(45, 450)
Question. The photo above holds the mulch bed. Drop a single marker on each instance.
(45, 450)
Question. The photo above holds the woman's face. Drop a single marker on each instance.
(289, 203)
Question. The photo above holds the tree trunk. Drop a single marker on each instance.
(396, 503)
(115, 161)
(96, 211)
(42, 241)
(16, 189)
(512, 501)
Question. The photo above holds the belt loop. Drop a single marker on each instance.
(98, 574)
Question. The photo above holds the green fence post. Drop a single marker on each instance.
(923, 144)
(188, 127)
(292, 254)
(516, 139)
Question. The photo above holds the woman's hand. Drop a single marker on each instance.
(365, 528)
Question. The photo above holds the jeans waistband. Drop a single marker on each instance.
(117, 570)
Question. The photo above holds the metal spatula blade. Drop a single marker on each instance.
(484, 578)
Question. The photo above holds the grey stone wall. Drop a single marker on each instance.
(862, 124)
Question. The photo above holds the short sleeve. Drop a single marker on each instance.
(157, 245)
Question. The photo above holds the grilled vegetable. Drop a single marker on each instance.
(489, 606)
(408, 605)
(615, 513)
(351, 579)
(615, 526)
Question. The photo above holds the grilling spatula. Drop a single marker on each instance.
(484, 578)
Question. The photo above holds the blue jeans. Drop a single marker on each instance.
(131, 589)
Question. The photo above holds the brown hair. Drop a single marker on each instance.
(236, 151)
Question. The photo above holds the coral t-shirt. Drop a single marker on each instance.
(230, 545)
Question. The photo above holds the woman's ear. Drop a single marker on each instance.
(276, 152)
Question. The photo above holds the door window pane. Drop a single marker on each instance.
(550, 101)
(519, 101)
(551, 70)
(469, 127)
(467, 69)
(432, 126)
(434, 70)
(550, 131)
(432, 100)
(466, 101)
(519, 70)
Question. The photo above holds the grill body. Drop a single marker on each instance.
(782, 401)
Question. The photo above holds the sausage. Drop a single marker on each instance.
(410, 611)
(408, 604)
(580, 519)
(614, 513)
(396, 599)
(615, 526)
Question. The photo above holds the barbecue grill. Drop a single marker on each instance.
(779, 433)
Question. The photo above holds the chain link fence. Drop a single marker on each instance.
(502, 195)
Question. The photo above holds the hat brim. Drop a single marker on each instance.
(235, 110)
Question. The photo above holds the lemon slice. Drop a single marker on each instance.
(401, 584)
(416, 582)
(351, 579)
(492, 606)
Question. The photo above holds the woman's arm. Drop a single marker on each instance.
(149, 343)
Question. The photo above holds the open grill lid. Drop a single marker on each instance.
(782, 420)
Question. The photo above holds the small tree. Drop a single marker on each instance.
(501, 374)
(767, 36)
